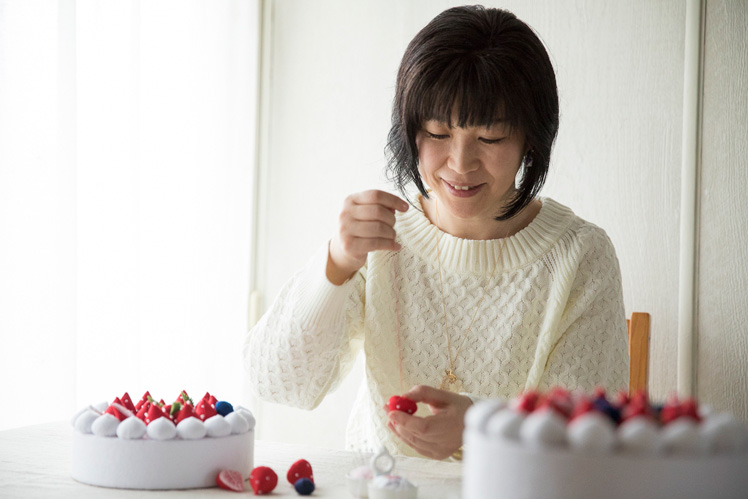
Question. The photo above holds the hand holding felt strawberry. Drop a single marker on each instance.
(437, 436)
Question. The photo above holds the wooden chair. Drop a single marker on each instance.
(638, 351)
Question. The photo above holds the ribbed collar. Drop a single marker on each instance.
(478, 256)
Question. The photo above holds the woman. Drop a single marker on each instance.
(480, 288)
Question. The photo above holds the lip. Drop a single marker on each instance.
(474, 190)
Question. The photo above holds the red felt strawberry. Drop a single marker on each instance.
(153, 414)
(299, 469)
(127, 402)
(114, 411)
(143, 411)
(183, 398)
(671, 411)
(690, 409)
(230, 480)
(622, 399)
(212, 401)
(404, 404)
(583, 406)
(185, 412)
(263, 480)
(527, 401)
(204, 410)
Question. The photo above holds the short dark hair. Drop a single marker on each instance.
(492, 67)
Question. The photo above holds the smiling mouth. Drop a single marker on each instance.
(461, 187)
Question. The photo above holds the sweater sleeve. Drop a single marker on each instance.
(592, 349)
(309, 338)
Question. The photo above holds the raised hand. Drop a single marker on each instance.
(437, 436)
(366, 224)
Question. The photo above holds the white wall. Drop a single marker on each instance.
(617, 161)
(722, 376)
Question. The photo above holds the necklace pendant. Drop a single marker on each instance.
(451, 382)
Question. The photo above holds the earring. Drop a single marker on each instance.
(527, 160)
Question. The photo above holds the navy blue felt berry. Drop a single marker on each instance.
(304, 486)
(224, 408)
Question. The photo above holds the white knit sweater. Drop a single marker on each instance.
(552, 315)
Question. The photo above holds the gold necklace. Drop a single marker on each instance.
(450, 381)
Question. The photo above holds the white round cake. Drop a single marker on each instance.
(561, 445)
(157, 446)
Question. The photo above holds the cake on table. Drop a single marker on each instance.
(154, 445)
(582, 446)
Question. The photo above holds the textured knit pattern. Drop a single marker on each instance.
(552, 315)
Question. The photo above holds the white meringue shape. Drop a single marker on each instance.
(105, 426)
(543, 428)
(479, 414)
(238, 423)
(640, 435)
(723, 434)
(84, 422)
(591, 433)
(131, 428)
(505, 424)
(217, 426)
(191, 428)
(682, 437)
(101, 406)
(247, 415)
(161, 429)
(77, 414)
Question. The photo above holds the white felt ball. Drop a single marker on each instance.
(191, 428)
(77, 414)
(640, 435)
(217, 426)
(480, 413)
(84, 422)
(238, 424)
(592, 433)
(505, 424)
(105, 426)
(682, 436)
(247, 415)
(723, 434)
(101, 406)
(543, 428)
(161, 429)
(131, 428)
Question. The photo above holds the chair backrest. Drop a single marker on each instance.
(638, 351)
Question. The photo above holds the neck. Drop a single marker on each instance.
(483, 229)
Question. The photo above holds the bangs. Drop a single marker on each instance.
(469, 89)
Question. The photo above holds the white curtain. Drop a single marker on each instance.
(127, 136)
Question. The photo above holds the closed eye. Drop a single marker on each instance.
(491, 141)
(435, 136)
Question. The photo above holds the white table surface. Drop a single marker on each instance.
(35, 462)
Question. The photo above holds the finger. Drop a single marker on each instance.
(432, 396)
(372, 212)
(412, 440)
(367, 229)
(411, 424)
(380, 197)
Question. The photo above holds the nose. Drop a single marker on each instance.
(463, 157)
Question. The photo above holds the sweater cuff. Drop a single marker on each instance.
(321, 302)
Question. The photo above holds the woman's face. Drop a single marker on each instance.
(471, 172)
